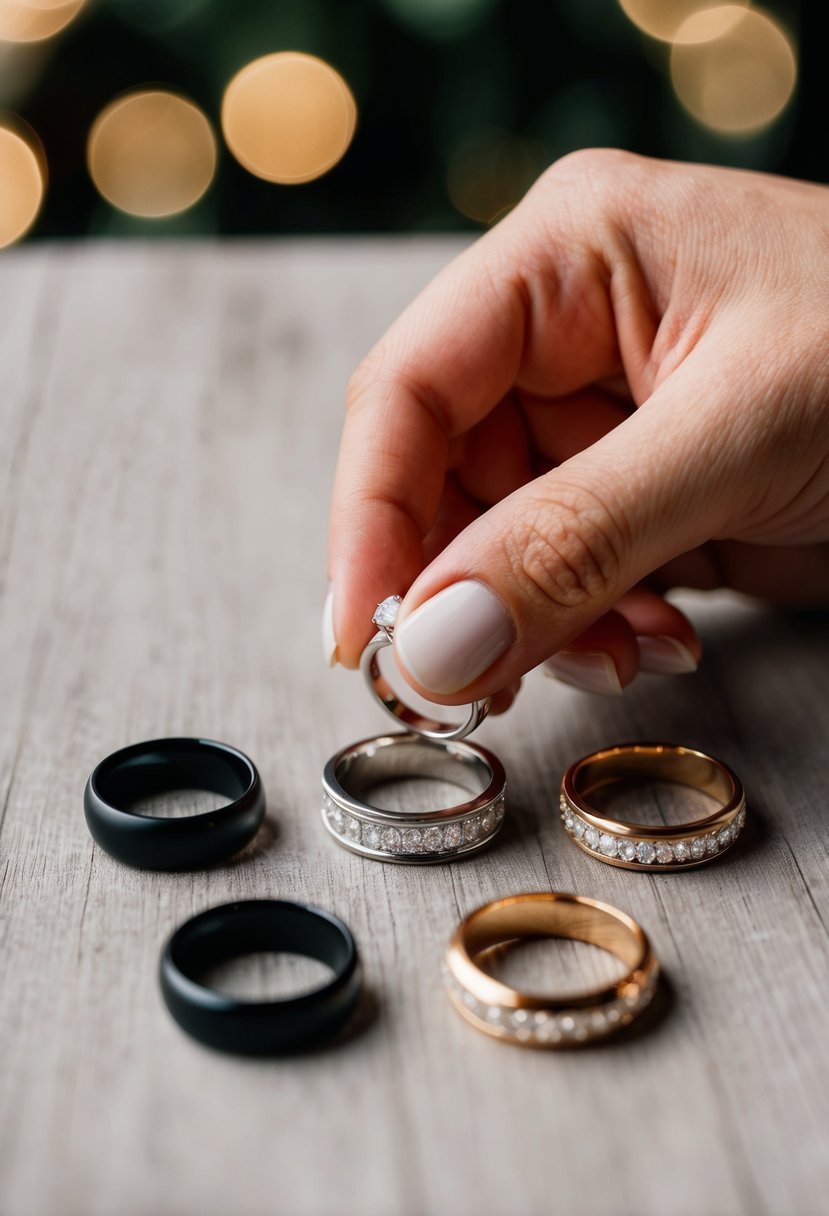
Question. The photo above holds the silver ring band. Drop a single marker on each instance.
(435, 834)
(382, 691)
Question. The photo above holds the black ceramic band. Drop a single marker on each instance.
(160, 766)
(259, 1028)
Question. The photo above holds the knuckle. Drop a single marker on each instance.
(593, 168)
(569, 554)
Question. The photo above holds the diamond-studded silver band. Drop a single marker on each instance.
(431, 834)
(536, 1021)
(637, 846)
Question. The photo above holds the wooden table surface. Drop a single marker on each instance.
(170, 419)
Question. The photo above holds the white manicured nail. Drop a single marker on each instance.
(454, 637)
(664, 655)
(591, 670)
(329, 638)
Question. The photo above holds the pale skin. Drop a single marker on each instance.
(621, 388)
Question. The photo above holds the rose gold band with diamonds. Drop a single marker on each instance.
(431, 833)
(634, 846)
(533, 1020)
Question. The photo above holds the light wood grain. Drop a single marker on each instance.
(169, 420)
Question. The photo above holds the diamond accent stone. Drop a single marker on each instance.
(645, 852)
(579, 828)
(681, 850)
(499, 811)
(711, 843)
(697, 848)
(724, 837)
(569, 820)
(664, 854)
(433, 839)
(472, 829)
(452, 835)
(488, 822)
(608, 844)
(627, 850)
(353, 828)
(391, 840)
(386, 613)
(591, 837)
(372, 836)
(412, 840)
(741, 819)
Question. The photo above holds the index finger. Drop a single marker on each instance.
(500, 314)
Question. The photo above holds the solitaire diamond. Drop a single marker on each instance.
(386, 613)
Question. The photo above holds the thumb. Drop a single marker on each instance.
(538, 569)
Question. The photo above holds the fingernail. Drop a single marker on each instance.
(329, 638)
(450, 640)
(591, 670)
(664, 655)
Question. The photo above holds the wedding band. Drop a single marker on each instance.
(635, 846)
(437, 833)
(259, 1028)
(382, 691)
(145, 770)
(535, 1020)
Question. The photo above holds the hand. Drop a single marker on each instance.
(621, 388)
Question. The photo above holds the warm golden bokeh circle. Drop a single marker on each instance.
(34, 20)
(288, 117)
(735, 70)
(664, 19)
(490, 173)
(151, 153)
(22, 185)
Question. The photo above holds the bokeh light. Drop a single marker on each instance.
(441, 18)
(733, 69)
(288, 117)
(664, 19)
(490, 172)
(151, 153)
(34, 20)
(22, 185)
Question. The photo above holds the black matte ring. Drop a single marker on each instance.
(160, 766)
(259, 1028)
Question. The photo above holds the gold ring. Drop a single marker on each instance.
(635, 846)
(535, 1020)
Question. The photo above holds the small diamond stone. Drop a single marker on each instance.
(645, 852)
(567, 1023)
(372, 836)
(724, 837)
(664, 854)
(488, 820)
(598, 1021)
(579, 828)
(697, 848)
(740, 820)
(569, 820)
(627, 850)
(386, 613)
(520, 1018)
(681, 850)
(591, 837)
(336, 819)
(711, 843)
(608, 844)
(433, 839)
(452, 835)
(499, 811)
(391, 840)
(353, 828)
(472, 828)
(494, 1014)
(413, 840)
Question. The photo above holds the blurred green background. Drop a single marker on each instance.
(453, 97)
